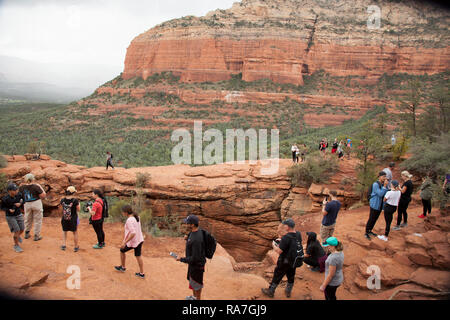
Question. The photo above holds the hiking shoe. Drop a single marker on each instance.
(396, 228)
(27, 234)
(18, 249)
(120, 268)
(382, 237)
(140, 275)
(373, 234)
(403, 225)
(191, 298)
(267, 292)
(97, 246)
(367, 236)
(76, 249)
(422, 216)
(63, 248)
(37, 238)
(103, 245)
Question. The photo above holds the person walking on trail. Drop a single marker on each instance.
(393, 140)
(69, 221)
(330, 210)
(405, 199)
(195, 257)
(334, 264)
(335, 146)
(109, 158)
(132, 240)
(303, 152)
(340, 150)
(33, 194)
(391, 199)
(426, 194)
(11, 204)
(294, 149)
(315, 255)
(388, 171)
(287, 250)
(376, 194)
(96, 212)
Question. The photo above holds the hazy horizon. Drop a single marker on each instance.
(80, 44)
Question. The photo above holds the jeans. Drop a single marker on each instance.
(330, 292)
(426, 206)
(402, 207)
(388, 217)
(109, 164)
(98, 228)
(373, 217)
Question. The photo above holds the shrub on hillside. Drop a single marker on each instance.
(3, 162)
(316, 169)
(3, 182)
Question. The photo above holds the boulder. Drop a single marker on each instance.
(431, 278)
(419, 256)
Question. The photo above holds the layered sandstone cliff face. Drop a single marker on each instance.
(241, 206)
(283, 40)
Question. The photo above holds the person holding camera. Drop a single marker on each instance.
(96, 212)
(330, 210)
(286, 247)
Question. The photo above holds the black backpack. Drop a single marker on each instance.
(105, 211)
(369, 191)
(210, 244)
(297, 254)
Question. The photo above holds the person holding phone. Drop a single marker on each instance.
(330, 210)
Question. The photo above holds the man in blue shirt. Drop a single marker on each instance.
(379, 189)
(330, 210)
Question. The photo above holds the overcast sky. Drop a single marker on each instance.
(86, 32)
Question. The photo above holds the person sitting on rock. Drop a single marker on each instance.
(69, 220)
(11, 204)
(315, 255)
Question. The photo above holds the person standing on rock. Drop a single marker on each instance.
(340, 150)
(315, 255)
(133, 239)
(195, 257)
(294, 150)
(379, 189)
(11, 204)
(96, 212)
(405, 199)
(303, 152)
(391, 199)
(286, 249)
(330, 210)
(109, 158)
(388, 171)
(333, 269)
(69, 220)
(33, 194)
(335, 146)
(426, 194)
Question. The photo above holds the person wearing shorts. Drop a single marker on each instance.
(69, 219)
(11, 204)
(133, 239)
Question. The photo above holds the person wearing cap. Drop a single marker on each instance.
(195, 257)
(379, 189)
(405, 199)
(11, 204)
(286, 248)
(333, 268)
(315, 256)
(32, 194)
(391, 200)
(69, 220)
(388, 171)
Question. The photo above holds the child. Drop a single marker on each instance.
(133, 240)
(11, 204)
(391, 199)
(69, 220)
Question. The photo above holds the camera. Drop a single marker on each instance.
(87, 205)
(276, 242)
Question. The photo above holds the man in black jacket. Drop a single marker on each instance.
(195, 257)
(287, 249)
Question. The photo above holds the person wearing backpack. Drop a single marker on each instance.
(69, 220)
(32, 194)
(334, 276)
(195, 256)
(96, 212)
(109, 158)
(290, 250)
(132, 240)
(375, 196)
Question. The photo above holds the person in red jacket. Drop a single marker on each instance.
(97, 218)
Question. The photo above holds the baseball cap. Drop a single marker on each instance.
(331, 241)
(394, 183)
(289, 222)
(191, 219)
(11, 187)
(381, 173)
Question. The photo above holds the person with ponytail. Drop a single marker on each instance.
(133, 240)
(405, 199)
(334, 264)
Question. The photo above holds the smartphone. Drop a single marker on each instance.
(173, 255)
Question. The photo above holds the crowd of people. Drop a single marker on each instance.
(338, 148)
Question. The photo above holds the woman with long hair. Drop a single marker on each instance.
(333, 268)
(69, 221)
(133, 239)
(405, 199)
(96, 212)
